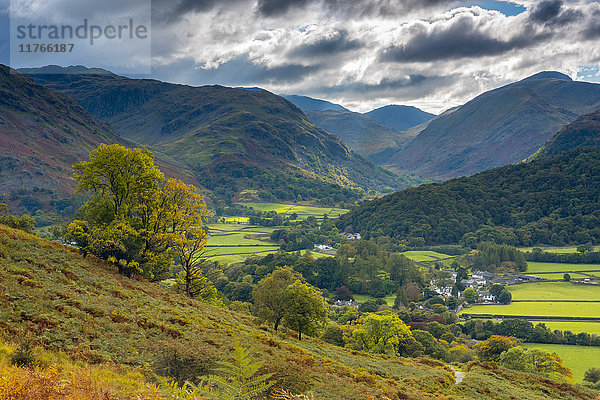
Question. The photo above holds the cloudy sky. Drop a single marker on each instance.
(433, 54)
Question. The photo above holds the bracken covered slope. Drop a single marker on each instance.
(83, 308)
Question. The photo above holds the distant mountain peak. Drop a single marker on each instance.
(399, 117)
(72, 69)
(306, 103)
(549, 75)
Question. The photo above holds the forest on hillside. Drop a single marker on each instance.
(553, 201)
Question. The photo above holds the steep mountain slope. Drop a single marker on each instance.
(499, 127)
(83, 308)
(400, 118)
(43, 133)
(306, 103)
(234, 139)
(362, 134)
(584, 131)
(554, 200)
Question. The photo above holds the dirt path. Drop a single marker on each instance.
(458, 376)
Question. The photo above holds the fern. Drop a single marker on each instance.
(238, 379)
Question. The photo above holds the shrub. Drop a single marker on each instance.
(334, 335)
(23, 356)
(592, 375)
(183, 363)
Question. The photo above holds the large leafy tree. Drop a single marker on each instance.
(490, 349)
(306, 309)
(183, 210)
(535, 360)
(283, 296)
(133, 218)
(270, 295)
(382, 332)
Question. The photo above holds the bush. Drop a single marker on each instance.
(505, 297)
(333, 334)
(24, 223)
(368, 306)
(23, 356)
(592, 375)
(460, 354)
(182, 363)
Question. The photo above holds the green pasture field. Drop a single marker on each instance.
(231, 243)
(361, 298)
(302, 211)
(554, 291)
(235, 220)
(575, 327)
(315, 254)
(541, 309)
(577, 358)
(229, 255)
(562, 250)
(560, 275)
(537, 267)
(420, 256)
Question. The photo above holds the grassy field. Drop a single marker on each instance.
(577, 358)
(231, 243)
(302, 210)
(420, 256)
(537, 267)
(361, 298)
(575, 327)
(562, 250)
(542, 309)
(554, 291)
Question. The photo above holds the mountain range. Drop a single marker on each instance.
(233, 140)
(373, 135)
(499, 127)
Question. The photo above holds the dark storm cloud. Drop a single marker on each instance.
(338, 43)
(592, 29)
(240, 71)
(546, 11)
(171, 10)
(460, 39)
(553, 13)
(567, 17)
(387, 84)
(271, 8)
(380, 8)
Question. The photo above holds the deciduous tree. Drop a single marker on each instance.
(269, 295)
(306, 310)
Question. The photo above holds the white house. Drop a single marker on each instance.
(486, 296)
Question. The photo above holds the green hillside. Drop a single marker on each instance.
(42, 133)
(553, 201)
(234, 139)
(361, 133)
(584, 131)
(499, 127)
(82, 308)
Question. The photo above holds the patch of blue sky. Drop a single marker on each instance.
(507, 8)
(589, 73)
